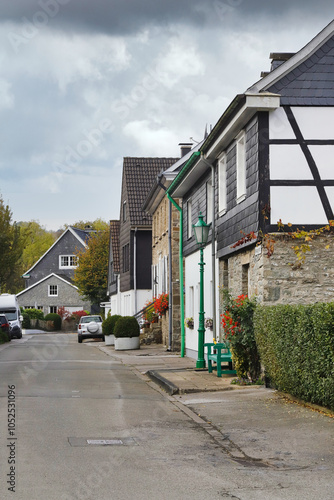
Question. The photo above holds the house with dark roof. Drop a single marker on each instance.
(113, 288)
(49, 282)
(270, 161)
(134, 283)
(167, 274)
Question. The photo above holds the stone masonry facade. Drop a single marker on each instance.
(280, 278)
(160, 248)
(67, 296)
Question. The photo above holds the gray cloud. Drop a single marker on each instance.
(130, 16)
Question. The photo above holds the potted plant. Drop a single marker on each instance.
(108, 326)
(127, 333)
(189, 323)
(208, 323)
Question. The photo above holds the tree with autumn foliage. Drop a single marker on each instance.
(11, 248)
(91, 275)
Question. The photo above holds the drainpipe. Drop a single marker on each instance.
(135, 267)
(170, 284)
(213, 247)
(181, 273)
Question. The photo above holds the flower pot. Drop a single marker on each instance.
(109, 339)
(126, 343)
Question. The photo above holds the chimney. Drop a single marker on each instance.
(277, 58)
(185, 147)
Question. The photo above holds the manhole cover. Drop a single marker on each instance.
(80, 441)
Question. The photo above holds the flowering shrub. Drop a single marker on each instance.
(237, 322)
(149, 313)
(189, 323)
(63, 313)
(161, 304)
(77, 314)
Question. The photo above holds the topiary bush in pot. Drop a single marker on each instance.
(56, 320)
(127, 326)
(109, 323)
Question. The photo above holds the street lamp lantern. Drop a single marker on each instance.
(201, 230)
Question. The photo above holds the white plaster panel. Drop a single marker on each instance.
(287, 161)
(297, 204)
(192, 277)
(315, 122)
(324, 158)
(279, 126)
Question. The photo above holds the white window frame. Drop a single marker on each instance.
(241, 166)
(209, 201)
(222, 185)
(69, 265)
(189, 216)
(53, 288)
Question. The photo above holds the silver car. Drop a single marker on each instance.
(90, 327)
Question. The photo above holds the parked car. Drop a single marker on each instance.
(90, 327)
(4, 325)
(9, 306)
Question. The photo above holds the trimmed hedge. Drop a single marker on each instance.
(109, 323)
(56, 320)
(4, 337)
(34, 313)
(296, 345)
(127, 326)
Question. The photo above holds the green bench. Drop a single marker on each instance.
(219, 357)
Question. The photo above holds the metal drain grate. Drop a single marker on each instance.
(128, 441)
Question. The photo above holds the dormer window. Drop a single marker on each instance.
(241, 167)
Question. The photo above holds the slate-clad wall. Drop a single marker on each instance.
(198, 203)
(241, 218)
(67, 245)
(312, 82)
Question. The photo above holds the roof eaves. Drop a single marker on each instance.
(178, 179)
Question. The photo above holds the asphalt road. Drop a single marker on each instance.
(77, 424)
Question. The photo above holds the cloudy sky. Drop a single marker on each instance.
(84, 83)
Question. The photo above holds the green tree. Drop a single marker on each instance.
(37, 241)
(92, 273)
(11, 247)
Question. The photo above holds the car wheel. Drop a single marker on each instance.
(79, 339)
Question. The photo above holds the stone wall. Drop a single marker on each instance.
(280, 279)
(160, 248)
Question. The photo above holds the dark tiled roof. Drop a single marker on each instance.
(114, 236)
(311, 82)
(139, 175)
(84, 235)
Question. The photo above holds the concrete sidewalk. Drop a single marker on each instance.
(172, 373)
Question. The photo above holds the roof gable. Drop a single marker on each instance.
(44, 279)
(307, 77)
(79, 234)
(139, 175)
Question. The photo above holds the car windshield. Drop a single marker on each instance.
(10, 313)
(88, 319)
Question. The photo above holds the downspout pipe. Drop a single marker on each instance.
(135, 267)
(181, 273)
(213, 247)
(170, 284)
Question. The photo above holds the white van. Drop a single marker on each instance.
(10, 307)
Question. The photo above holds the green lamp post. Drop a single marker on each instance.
(201, 230)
